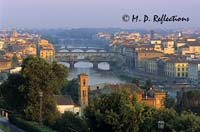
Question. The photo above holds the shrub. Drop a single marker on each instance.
(28, 125)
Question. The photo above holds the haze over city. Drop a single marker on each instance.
(93, 13)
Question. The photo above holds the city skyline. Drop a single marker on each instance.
(97, 14)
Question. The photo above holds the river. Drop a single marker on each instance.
(102, 75)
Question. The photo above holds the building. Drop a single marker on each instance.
(156, 41)
(151, 65)
(194, 71)
(144, 55)
(65, 103)
(2, 43)
(168, 47)
(46, 50)
(5, 64)
(153, 97)
(190, 48)
(176, 68)
(83, 92)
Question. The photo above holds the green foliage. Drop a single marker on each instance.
(21, 91)
(11, 93)
(169, 102)
(185, 122)
(136, 81)
(190, 101)
(114, 112)
(5, 129)
(70, 122)
(149, 123)
(39, 76)
(148, 84)
(117, 112)
(28, 125)
(71, 88)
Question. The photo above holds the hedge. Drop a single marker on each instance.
(28, 125)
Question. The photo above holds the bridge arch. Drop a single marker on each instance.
(83, 64)
(63, 51)
(91, 50)
(104, 66)
(77, 50)
(102, 50)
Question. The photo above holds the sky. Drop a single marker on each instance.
(94, 13)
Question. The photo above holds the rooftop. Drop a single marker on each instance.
(64, 100)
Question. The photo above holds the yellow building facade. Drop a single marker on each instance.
(177, 69)
(191, 48)
(47, 50)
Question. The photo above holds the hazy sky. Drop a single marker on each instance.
(93, 13)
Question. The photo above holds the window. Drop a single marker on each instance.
(84, 93)
(183, 69)
(84, 82)
(178, 69)
(183, 74)
(178, 74)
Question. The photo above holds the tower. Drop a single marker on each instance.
(83, 92)
(151, 34)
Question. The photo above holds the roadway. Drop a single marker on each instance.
(6, 124)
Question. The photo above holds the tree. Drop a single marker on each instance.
(169, 102)
(136, 81)
(11, 93)
(189, 100)
(114, 112)
(23, 89)
(71, 88)
(43, 77)
(148, 84)
(70, 122)
(61, 72)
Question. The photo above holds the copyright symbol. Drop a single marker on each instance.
(125, 18)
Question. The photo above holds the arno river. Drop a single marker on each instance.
(103, 75)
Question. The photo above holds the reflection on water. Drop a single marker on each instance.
(83, 64)
(95, 76)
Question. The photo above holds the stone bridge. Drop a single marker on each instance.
(83, 49)
(93, 57)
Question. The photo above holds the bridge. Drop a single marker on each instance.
(94, 57)
(82, 49)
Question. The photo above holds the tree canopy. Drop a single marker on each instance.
(71, 88)
(114, 112)
(22, 90)
(70, 122)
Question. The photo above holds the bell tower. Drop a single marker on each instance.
(83, 92)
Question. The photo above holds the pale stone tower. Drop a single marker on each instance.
(83, 92)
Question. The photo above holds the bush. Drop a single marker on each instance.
(28, 125)
(70, 122)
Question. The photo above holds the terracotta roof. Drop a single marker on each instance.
(64, 100)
